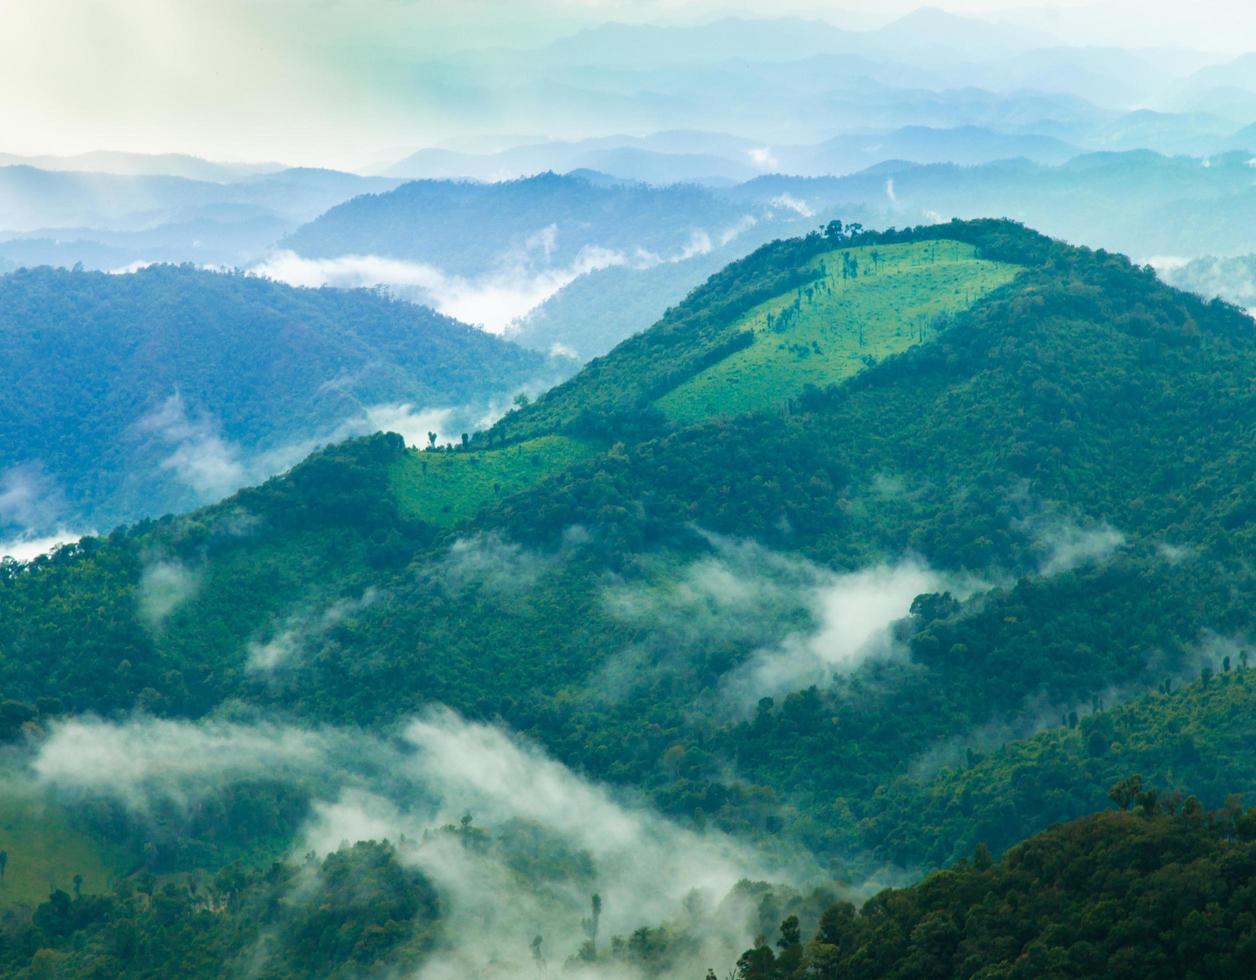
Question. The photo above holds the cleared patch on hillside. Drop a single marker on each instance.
(45, 852)
(443, 488)
(870, 303)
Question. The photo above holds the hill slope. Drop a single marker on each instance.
(1116, 894)
(127, 396)
(766, 621)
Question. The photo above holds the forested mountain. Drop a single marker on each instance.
(550, 218)
(128, 396)
(875, 548)
(1139, 202)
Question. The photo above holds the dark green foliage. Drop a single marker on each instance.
(1162, 892)
(1195, 741)
(356, 913)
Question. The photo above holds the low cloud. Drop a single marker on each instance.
(493, 300)
(791, 203)
(141, 761)
(1232, 279)
(26, 548)
(763, 158)
(491, 563)
(499, 887)
(853, 614)
(164, 586)
(31, 503)
(646, 869)
(516, 284)
(198, 455)
(300, 630)
(787, 622)
(1064, 545)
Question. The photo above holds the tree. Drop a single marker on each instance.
(1124, 793)
(431, 440)
(590, 925)
(4, 863)
(757, 963)
(78, 886)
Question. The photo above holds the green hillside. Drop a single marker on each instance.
(1056, 486)
(864, 305)
(446, 488)
(1164, 890)
(1193, 740)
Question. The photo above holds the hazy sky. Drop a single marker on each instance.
(314, 81)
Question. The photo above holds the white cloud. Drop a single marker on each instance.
(27, 548)
(791, 203)
(200, 458)
(493, 300)
(163, 587)
(646, 869)
(853, 613)
(299, 629)
(762, 158)
(140, 761)
(800, 623)
(1065, 545)
(644, 866)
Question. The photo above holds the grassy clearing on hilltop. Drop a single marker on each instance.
(446, 487)
(892, 297)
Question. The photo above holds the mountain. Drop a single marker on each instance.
(171, 386)
(32, 199)
(711, 158)
(111, 221)
(547, 217)
(1139, 202)
(627, 160)
(864, 519)
(492, 253)
(143, 164)
(966, 145)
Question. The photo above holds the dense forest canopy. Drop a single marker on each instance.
(913, 604)
(129, 396)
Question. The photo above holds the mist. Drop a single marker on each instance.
(511, 286)
(464, 802)
(301, 629)
(164, 586)
(792, 623)
(1064, 545)
(492, 300)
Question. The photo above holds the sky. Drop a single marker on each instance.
(337, 81)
